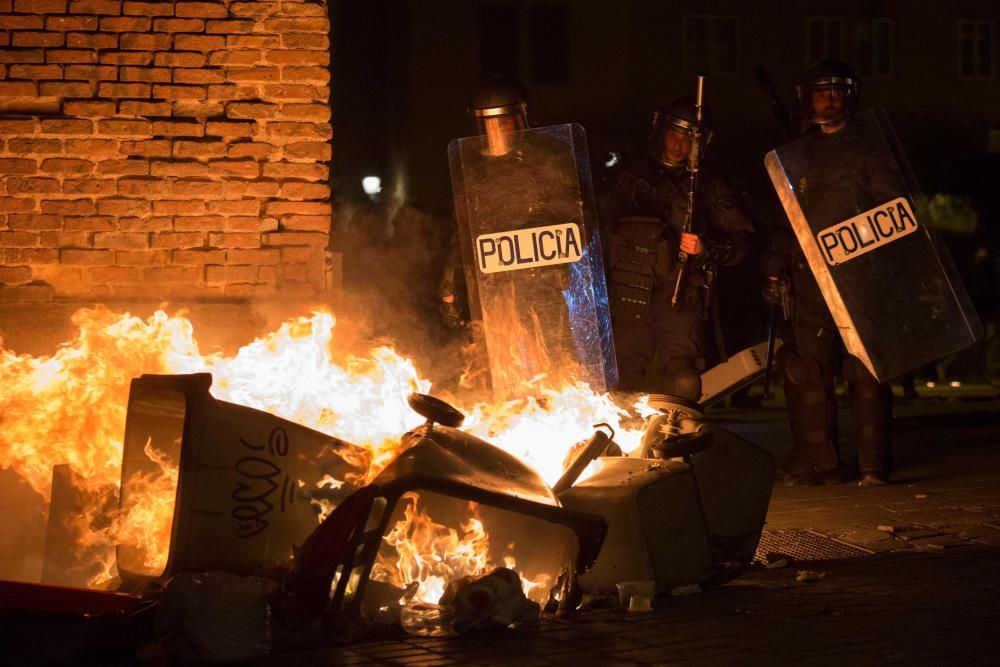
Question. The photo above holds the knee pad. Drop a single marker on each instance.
(856, 373)
(802, 370)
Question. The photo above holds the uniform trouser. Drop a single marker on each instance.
(812, 405)
(662, 352)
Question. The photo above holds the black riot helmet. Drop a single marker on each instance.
(828, 75)
(674, 126)
(499, 106)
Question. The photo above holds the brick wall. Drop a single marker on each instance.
(163, 149)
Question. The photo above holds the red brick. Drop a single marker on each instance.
(251, 110)
(64, 239)
(128, 128)
(237, 189)
(92, 147)
(198, 223)
(253, 291)
(254, 9)
(18, 239)
(135, 90)
(88, 186)
(114, 274)
(229, 129)
(127, 57)
(257, 256)
(317, 112)
(253, 74)
(203, 10)
(199, 76)
(305, 74)
(229, 27)
(242, 57)
(198, 257)
(178, 128)
(92, 73)
(34, 292)
(89, 223)
(305, 191)
(308, 172)
(192, 188)
(140, 108)
(184, 207)
(306, 223)
(303, 9)
(151, 74)
(320, 42)
(70, 56)
(17, 205)
(196, 109)
(13, 256)
(89, 41)
(22, 56)
(38, 39)
(39, 146)
(17, 89)
(121, 241)
(251, 149)
(188, 168)
(178, 240)
(138, 41)
(175, 59)
(17, 126)
(230, 207)
(199, 149)
(303, 208)
(295, 238)
(299, 131)
(289, 91)
(230, 274)
(67, 166)
(86, 257)
(75, 89)
(15, 275)
(18, 186)
(151, 148)
(165, 92)
(284, 26)
(228, 92)
(172, 274)
(178, 25)
(285, 57)
(149, 8)
(40, 6)
(145, 224)
(233, 240)
(126, 24)
(70, 22)
(142, 257)
(110, 7)
(312, 150)
(8, 22)
(35, 72)
(203, 43)
(123, 167)
(124, 207)
(238, 168)
(250, 223)
(9, 165)
(61, 126)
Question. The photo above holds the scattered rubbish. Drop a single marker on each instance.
(918, 534)
(425, 619)
(627, 589)
(922, 496)
(809, 576)
(774, 560)
(488, 603)
(684, 591)
(887, 529)
(638, 603)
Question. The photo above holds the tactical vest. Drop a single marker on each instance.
(638, 255)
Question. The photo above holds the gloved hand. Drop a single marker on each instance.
(771, 290)
(691, 243)
(451, 316)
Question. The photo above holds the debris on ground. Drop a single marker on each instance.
(775, 561)
(683, 591)
(809, 576)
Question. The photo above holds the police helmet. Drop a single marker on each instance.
(828, 75)
(499, 98)
(679, 116)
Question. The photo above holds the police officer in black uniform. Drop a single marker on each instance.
(660, 345)
(838, 182)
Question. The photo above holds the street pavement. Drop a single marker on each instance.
(926, 593)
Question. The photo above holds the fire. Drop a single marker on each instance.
(70, 408)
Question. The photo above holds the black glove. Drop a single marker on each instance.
(451, 316)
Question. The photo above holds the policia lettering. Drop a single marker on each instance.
(529, 248)
(863, 233)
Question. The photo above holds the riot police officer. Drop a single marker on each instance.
(838, 182)
(660, 341)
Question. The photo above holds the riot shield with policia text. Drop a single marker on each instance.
(885, 276)
(532, 258)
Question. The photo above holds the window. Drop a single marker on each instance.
(824, 37)
(873, 40)
(711, 44)
(550, 44)
(499, 40)
(975, 49)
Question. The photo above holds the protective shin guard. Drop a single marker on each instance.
(812, 413)
(872, 407)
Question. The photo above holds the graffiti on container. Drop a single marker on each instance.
(257, 480)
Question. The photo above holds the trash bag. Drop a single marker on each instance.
(488, 603)
(215, 617)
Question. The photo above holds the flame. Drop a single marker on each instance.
(70, 408)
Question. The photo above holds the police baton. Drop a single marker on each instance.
(772, 327)
(682, 257)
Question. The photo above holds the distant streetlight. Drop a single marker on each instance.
(372, 185)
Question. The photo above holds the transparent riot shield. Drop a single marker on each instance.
(532, 258)
(865, 232)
